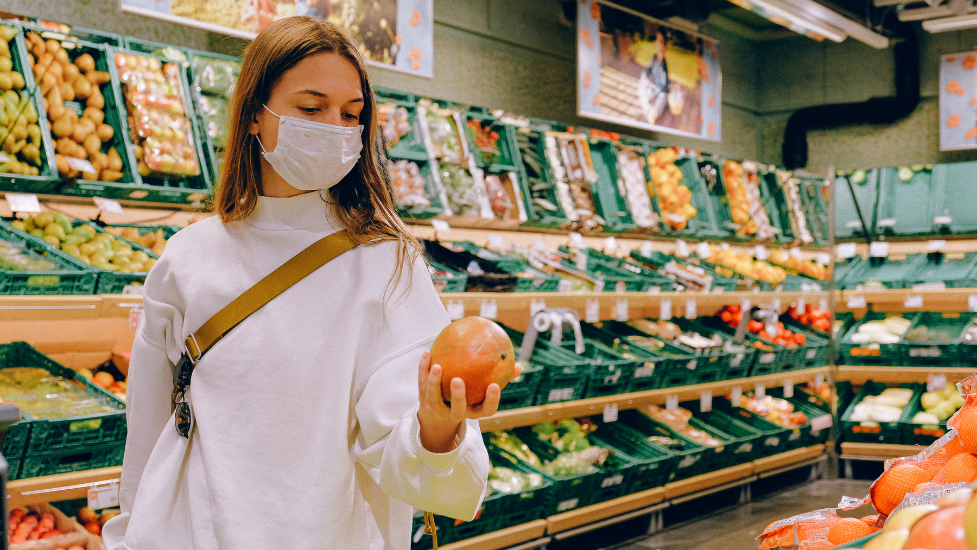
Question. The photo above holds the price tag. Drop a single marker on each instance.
(823, 304)
(564, 394)
(703, 250)
(878, 249)
(108, 205)
(576, 240)
(681, 249)
(495, 242)
(705, 401)
(132, 290)
(592, 313)
(621, 310)
(822, 422)
(665, 310)
(972, 303)
(760, 390)
(801, 304)
(671, 402)
(535, 306)
(690, 309)
(610, 412)
(599, 285)
(745, 306)
(564, 286)
(135, 315)
(610, 245)
(654, 290)
(22, 202)
(775, 305)
(887, 222)
(823, 258)
(581, 261)
(100, 498)
(489, 309)
(440, 226)
(943, 220)
(913, 301)
(788, 388)
(456, 309)
(538, 244)
(935, 246)
(761, 252)
(818, 380)
(736, 396)
(935, 382)
(646, 248)
(81, 165)
(856, 302)
(795, 252)
(846, 250)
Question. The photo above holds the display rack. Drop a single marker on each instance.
(858, 374)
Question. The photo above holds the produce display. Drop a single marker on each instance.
(798, 218)
(578, 455)
(805, 267)
(42, 395)
(938, 406)
(476, 350)
(542, 193)
(573, 172)
(160, 130)
(465, 193)
(633, 187)
(503, 196)
(674, 198)
(93, 521)
(214, 80)
(486, 141)
(509, 481)
(812, 316)
(739, 200)
(102, 250)
(673, 333)
(886, 331)
(922, 333)
(733, 316)
(407, 183)
(885, 407)
(14, 257)
(394, 122)
(74, 98)
(20, 135)
(155, 241)
(24, 526)
(778, 411)
(678, 421)
(747, 266)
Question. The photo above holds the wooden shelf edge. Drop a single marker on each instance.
(57, 487)
(858, 374)
(501, 539)
(785, 459)
(603, 510)
(879, 450)
(708, 480)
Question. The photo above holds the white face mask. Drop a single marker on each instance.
(313, 155)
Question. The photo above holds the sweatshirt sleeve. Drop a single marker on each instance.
(388, 445)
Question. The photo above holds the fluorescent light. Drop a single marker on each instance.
(783, 15)
(951, 23)
(859, 32)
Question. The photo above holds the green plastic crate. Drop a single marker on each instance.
(77, 459)
(47, 180)
(507, 510)
(664, 284)
(649, 373)
(809, 436)
(939, 269)
(842, 271)
(73, 277)
(209, 128)
(660, 263)
(565, 375)
(115, 282)
(773, 438)
(815, 204)
(891, 273)
(422, 541)
(851, 353)
(611, 373)
(774, 200)
(733, 361)
(919, 434)
(816, 350)
(876, 432)
(168, 230)
(744, 440)
(652, 463)
(611, 205)
(956, 180)
(521, 392)
(936, 352)
(80, 33)
(691, 460)
(704, 224)
(529, 279)
(615, 280)
(906, 208)
(779, 359)
(847, 223)
(448, 280)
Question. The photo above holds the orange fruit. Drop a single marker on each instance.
(939, 458)
(816, 545)
(962, 468)
(939, 530)
(870, 521)
(967, 426)
(890, 488)
(846, 530)
(476, 350)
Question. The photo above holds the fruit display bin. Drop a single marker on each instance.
(815, 204)
(778, 359)
(955, 180)
(936, 351)
(650, 371)
(773, 438)
(115, 282)
(483, 276)
(941, 269)
(774, 200)
(742, 440)
(521, 392)
(851, 353)
(446, 279)
(528, 278)
(651, 462)
(889, 272)
(544, 207)
(808, 435)
(733, 361)
(168, 230)
(690, 461)
(660, 261)
(816, 350)
(565, 375)
(906, 208)
(611, 205)
(615, 280)
(876, 432)
(705, 223)
(611, 373)
(72, 277)
(919, 434)
(80, 33)
(47, 179)
(713, 458)
(77, 459)
(664, 284)
(848, 225)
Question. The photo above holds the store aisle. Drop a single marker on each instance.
(737, 528)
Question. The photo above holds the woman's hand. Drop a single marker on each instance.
(440, 421)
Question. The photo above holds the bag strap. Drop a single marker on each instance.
(294, 270)
(431, 528)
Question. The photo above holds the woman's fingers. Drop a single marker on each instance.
(491, 404)
(516, 372)
(432, 386)
(459, 402)
(423, 369)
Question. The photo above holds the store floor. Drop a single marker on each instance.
(737, 528)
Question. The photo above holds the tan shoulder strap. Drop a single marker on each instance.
(294, 270)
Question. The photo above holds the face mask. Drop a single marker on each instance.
(313, 155)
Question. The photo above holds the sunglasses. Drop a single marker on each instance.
(181, 382)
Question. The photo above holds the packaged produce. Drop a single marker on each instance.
(20, 134)
(886, 331)
(818, 530)
(732, 315)
(739, 200)
(578, 455)
(162, 135)
(678, 421)
(633, 186)
(938, 405)
(84, 242)
(674, 198)
(758, 213)
(745, 265)
(798, 219)
(42, 395)
(486, 141)
(885, 407)
(214, 77)
(778, 411)
(509, 481)
(214, 112)
(408, 184)
(510, 442)
(573, 172)
(394, 122)
(14, 257)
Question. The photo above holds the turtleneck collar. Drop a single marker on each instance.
(303, 211)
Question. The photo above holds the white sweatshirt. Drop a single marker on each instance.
(306, 431)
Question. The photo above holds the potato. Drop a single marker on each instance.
(67, 92)
(64, 126)
(80, 151)
(55, 104)
(105, 132)
(95, 115)
(114, 160)
(71, 73)
(92, 144)
(111, 175)
(96, 99)
(83, 88)
(82, 130)
(85, 62)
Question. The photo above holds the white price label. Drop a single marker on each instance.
(535, 306)
(691, 310)
(599, 285)
(654, 290)
(856, 302)
(576, 240)
(822, 422)
(775, 305)
(823, 304)
(495, 242)
(788, 388)
(845, 251)
(621, 310)
(935, 382)
(878, 249)
(135, 315)
(935, 246)
(646, 249)
(665, 310)
(23, 202)
(440, 226)
(887, 222)
(489, 309)
(795, 252)
(456, 309)
(610, 412)
(671, 402)
(972, 303)
(564, 394)
(111, 206)
(100, 498)
(823, 258)
(132, 290)
(81, 165)
(801, 305)
(538, 244)
(705, 401)
(581, 261)
(943, 220)
(760, 390)
(913, 301)
(761, 252)
(564, 286)
(818, 380)
(703, 250)
(681, 249)
(592, 312)
(610, 245)
(745, 306)
(736, 396)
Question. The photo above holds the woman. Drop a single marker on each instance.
(308, 429)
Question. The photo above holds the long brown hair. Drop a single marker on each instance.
(361, 202)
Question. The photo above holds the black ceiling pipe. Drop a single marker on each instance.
(877, 110)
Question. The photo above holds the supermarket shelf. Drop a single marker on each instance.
(951, 299)
(529, 416)
(711, 482)
(912, 245)
(532, 531)
(876, 451)
(857, 374)
(777, 462)
(604, 510)
(58, 487)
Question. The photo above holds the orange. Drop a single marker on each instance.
(962, 468)
(966, 424)
(939, 530)
(846, 530)
(870, 521)
(816, 545)
(476, 350)
(890, 488)
(939, 458)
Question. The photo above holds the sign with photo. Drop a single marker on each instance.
(640, 72)
(958, 101)
(396, 34)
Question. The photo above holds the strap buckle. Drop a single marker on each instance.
(194, 354)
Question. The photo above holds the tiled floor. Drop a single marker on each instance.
(737, 528)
